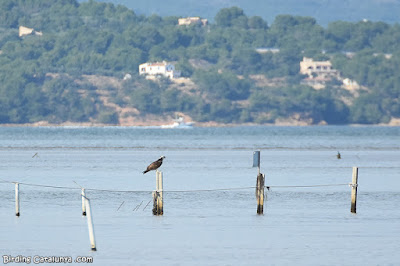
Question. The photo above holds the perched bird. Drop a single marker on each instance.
(154, 165)
(338, 155)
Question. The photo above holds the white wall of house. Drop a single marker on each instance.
(159, 68)
(192, 20)
(308, 66)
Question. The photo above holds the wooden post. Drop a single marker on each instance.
(158, 195)
(354, 185)
(155, 196)
(83, 202)
(17, 199)
(90, 225)
(260, 193)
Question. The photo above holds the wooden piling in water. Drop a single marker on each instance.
(260, 193)
(83, 202)
(155, 196)
(354, 185)
(17, 213)
(90, 225)
(158, 195)
(260, 183)
(160, 191)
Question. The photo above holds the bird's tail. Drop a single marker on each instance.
(145, 171)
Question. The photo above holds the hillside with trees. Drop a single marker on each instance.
(74, 69)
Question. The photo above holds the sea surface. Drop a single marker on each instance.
(209, 197)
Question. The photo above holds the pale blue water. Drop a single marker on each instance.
(300, 226)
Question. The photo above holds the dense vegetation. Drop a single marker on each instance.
(41, 77)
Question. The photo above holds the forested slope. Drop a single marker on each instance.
(56, 76)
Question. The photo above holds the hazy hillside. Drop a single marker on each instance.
(324, 11)
(69, 63)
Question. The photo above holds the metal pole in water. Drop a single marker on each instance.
(83, 202)
(90, 225)
(256, 160)
(354, 185)
(17, 199)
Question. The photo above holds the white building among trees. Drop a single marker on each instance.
(159, 69)
(318, 68)
(192, 21)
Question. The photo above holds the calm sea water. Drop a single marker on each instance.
(300, 225)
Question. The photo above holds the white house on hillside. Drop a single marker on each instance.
(192, 21)
(321, 68)
(159, 69)
(23, 31)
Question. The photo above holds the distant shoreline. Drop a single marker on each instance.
(392, 123)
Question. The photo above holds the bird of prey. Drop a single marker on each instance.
(154, 165)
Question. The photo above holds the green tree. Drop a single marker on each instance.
(222, 86)
(232, 16)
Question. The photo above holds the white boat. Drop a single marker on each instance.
(179, 123)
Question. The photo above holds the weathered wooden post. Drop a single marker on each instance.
(90, 224)
(83, 202)
(17, 199)
(260, 193)
(155, 196)
(354, 185)
(158, 195)
(260, 183)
